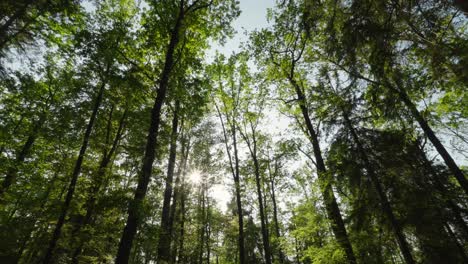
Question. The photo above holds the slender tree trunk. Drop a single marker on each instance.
(201, 206)
(265, 236)
(275, 215)
(74, 177)
(386, 207)
(267, 220)
(208, 230)
(176, 210)
(164, 243)
(252, 146)
(331, 206)
(234, 165)
(181, 257)
(98, 183)
(431, 135)
(238, 200)
(21, 156)
(134, 215)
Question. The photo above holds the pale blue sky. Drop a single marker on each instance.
(253, 16)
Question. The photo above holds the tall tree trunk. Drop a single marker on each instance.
(331, 206)
(201, 206)
(21, 156)
(98, 183)
(176, 210)
(267, 220)
(208, 230)
(386, 207)
(238, 200)
(164, 243)
(275, 213)
(252, 146)
(74, 177)
(144, 177)
(234, 166)
(430, 134)
(460, 247)
(181, 254)
(456, 211)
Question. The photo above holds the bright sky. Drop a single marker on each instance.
(253, 16)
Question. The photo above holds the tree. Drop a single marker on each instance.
(286, 58)
(182, 14)
(334, 134)
(229, 112)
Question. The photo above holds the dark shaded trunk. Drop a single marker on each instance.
(460, 247)
(458, 214)
(267, 221)
(208, 230)
(386, 207)
(181, 253)
(98, 183)
(12, 172)
(331, 206)
(275, 214)
(459, 217)
(238, 200)
(134, 215)
(201, 206)
(74, 177)
(431, 135)
(164, 243)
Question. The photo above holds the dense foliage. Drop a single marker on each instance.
(337, 134)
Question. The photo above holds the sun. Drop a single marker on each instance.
(195, 176)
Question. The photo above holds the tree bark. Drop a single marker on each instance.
(430, 134)
(252, 146)
(460, 247)
(181, 253)
(331, 206)
(234, 166)
(74, 177)
(98, 182)
(386, 207)
(144, 177)
(275, 214)
(208, 230)
(238, 199)
(164, 243)
(175, 210)
(456, 211)
(201, 208)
